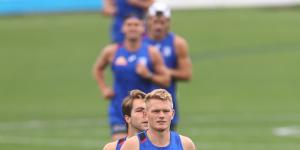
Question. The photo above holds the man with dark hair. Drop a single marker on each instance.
(135, 65)
(120, 9)
(133, 109)
(173, 49)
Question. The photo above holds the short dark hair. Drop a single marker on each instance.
(128, 101)
(133, 15)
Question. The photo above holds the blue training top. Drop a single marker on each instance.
(168, 52)
(126, 78)
(145, 143)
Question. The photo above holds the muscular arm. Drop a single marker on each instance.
(131, 144)
(184, 69)
(102, 61)
(187, 143)
(161, 75)
(109, 8)
(145, 4)
(110, 146)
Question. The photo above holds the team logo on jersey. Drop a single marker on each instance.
(142, 60)
(131, 58)
(167, 51)
(121, 61)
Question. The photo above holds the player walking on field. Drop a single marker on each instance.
(135, 65)
(173, 49)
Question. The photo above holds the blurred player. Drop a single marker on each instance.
(135, 65)
(159, 110)
(133, 109)
(120, 9)
(173, 48)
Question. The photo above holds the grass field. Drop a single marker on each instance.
(245, 85)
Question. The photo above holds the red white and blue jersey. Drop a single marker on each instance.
(145, 143)
(126, 78)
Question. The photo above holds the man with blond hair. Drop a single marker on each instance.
(160, 112)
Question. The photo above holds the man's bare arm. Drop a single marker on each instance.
(187, 143)
(161, 76)
(102, 61)
(110, 146)
(109, 8)
(145, 4)
(131, 144)
(184, 69)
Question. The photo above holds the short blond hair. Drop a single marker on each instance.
(160, 94)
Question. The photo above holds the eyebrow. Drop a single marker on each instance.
(139, 108)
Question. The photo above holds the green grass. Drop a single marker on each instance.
(245, 80)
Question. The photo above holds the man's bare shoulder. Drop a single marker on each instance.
(179, 40)
(131, 144)
(187, 143)
(111, 48)
(110, 146)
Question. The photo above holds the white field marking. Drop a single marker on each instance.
(46, 124)
(56, 142)
(230, 145)
(287, 131)
(33, 125)
(189, 119)
(232, 118)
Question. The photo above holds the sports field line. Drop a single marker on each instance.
(217, 54)
(189, 119)
(223, 145)
(56, 142)
(290, 131)
(231, 118)
(40, 124)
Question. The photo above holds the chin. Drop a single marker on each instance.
(161, 129)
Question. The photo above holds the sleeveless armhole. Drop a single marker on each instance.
(142, 137)
(177, 137)
(120, 143)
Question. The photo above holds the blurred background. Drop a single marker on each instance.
(244, 94)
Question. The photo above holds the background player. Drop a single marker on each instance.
(135, 65)
(120, 9)
(173, 48)
(133, 109)
(159, 109)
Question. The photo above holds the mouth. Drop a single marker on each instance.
(158, 31)
(145, 122)
(161, 122)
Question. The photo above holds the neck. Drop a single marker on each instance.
(132, 132)
(157, 37)
(132, 45)
(159, 138)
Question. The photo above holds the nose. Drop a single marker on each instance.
(161, 115)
